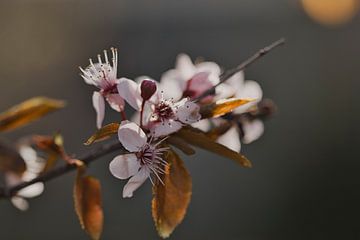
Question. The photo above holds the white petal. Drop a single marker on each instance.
(130, 91)
(212, 68)
(203, 125)
(250, 90)
(237, 81)
(124, 166)
(131, 136)
(252, 130)
(135, 182)
(165, 128)
(231, 139)
(116, 102)
(20, 203)
(99, 105)
(172, 84)
(185, 66)
(32, 191)
(187, 111)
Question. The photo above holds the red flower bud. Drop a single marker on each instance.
(148, 88)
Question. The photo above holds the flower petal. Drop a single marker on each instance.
(130, 91)
(131, 136)
(124, 166)
(32, 191)
(185, 66)
(187, 111)
(203, 125)
(99, 105)
(172, 84)
(116, 102)
(135, 182)
(212, 69)
(252, 130)
(250, 90)
(20, 203)
(165, 128)
(231, 139)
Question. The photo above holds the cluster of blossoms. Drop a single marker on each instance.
(164, 108)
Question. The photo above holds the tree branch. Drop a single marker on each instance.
(87, 158)
(111, 147)
(228, 74)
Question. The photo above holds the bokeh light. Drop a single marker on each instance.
(331, 12)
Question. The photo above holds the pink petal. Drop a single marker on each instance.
(185, 66)
(187, 111)
(198, 84)
(131, 136)
(135, 182)
(124, 166)
(99, 105)
(130, 91)
(231, 139)
(252, 130)
(212, 69)
(165, 128)
(116, 102)
(172, 84)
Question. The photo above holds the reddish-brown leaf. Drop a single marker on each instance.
(198, 138)
(103, 133)
(180, 144)
(222, 107)
(87, 199)
(27, 112)
(171, 199)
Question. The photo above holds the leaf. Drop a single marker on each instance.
(53, 146)
(87, 201)
(28, 111)
(198, 138)
(180, 144)
(222, 107)
(103, 133)
(10, 160)
(217, 131)
(171, 199)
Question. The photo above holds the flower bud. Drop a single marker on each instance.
(148, 88)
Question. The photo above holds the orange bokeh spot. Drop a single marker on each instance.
(331, 12)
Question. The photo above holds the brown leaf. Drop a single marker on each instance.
(27, 112)
(171, 199)
(53, 146)
(103, 133)
(217, 131)
(198, 138)
(221, 107)
(87, 200)
(180, 144)
(10, 160)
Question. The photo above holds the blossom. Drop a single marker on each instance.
(144, 159)
(247, 129)
(34, 166)
(103, 75)
(189, 80)
(160, 115)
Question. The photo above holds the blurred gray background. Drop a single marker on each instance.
(305, 181)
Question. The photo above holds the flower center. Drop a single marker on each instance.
(163, 110)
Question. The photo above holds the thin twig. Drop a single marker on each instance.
(87, 158)
(228, 74)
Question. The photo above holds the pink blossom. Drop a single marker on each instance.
(159, 115)
(188, 79)
(144, 159)
(103, 75)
